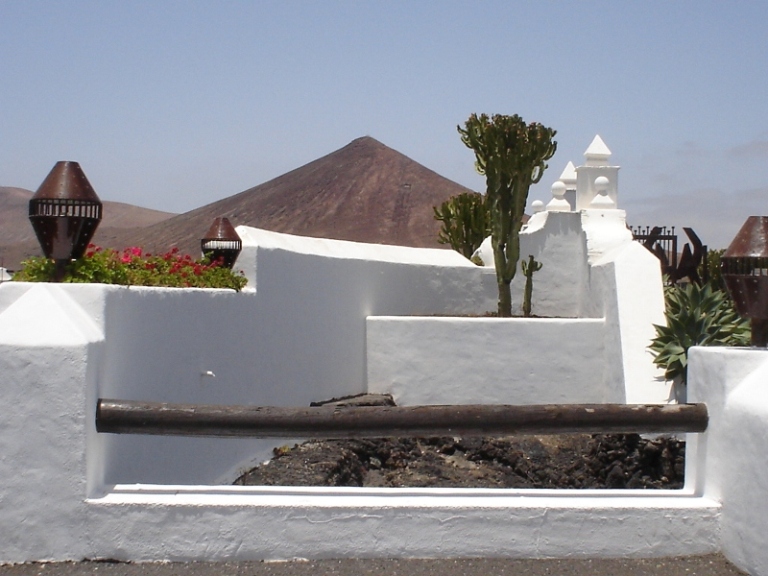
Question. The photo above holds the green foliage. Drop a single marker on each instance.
(696, 316)
(512, 155)
(710, 268)
(131, 267)
(465, 222)
(528, 269)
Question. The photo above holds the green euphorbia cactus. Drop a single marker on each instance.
(512, 155)
(465, 222)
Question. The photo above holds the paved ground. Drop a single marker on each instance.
(714, 565)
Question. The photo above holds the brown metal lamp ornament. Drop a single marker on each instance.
(222, 243)
(64, 212)
(744, 267)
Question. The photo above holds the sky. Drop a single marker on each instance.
(172, 105)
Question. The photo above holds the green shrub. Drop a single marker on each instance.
(466, 222)
(132, 267)
(710, 268)
(696, 316)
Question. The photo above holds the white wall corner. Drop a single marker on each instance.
(49, 350)
(640, 297)
(727, 466)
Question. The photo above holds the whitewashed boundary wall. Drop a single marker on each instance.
(732, 467)
(44, 491)
(604, 292)
(423, 361)
(297, 334)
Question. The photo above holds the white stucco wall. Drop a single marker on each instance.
(591, 268)
(731, 455)
(49, 365)
(423, 361)
(297, 334)
(556, 240)
(242, 523)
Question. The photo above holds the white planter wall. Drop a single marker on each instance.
(424, 361)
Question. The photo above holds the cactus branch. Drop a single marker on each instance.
(465, 222)
(528, 269)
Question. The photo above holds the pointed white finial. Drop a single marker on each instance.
(568, 177)
(597, 153)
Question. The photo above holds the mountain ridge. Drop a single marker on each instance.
(364, 192)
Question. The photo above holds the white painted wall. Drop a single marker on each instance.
(48, 381)
(181, 523)
(299, 337)
(591, 268)
(731, 462)
(297, 334)
(422, 361)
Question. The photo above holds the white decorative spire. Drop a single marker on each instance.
(568, 177)
(598, 153)
(597, 182)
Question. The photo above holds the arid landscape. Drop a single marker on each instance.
(364, 192)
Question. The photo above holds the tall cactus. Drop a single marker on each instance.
(465, 222)
(528, 269)
(512, 155)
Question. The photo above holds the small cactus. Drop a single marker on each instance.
(528, 269)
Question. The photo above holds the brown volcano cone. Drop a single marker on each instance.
(365, 192)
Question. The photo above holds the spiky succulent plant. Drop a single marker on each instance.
(696, 316)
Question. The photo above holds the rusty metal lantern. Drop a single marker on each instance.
(744, 267)
(65, 212)
(222, 243)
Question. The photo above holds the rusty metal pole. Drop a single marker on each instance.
(64, 212)
(744, 268)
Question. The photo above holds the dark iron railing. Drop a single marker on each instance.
(662, 241)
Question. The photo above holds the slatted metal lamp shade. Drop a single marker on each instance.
(65, 212)
(222, 243)
(744, 267)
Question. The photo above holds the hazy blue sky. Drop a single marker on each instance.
(172, 105)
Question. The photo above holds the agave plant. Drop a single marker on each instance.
(696, 316)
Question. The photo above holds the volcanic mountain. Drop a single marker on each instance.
(365, 192)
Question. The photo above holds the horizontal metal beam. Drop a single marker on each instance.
(131, 417)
